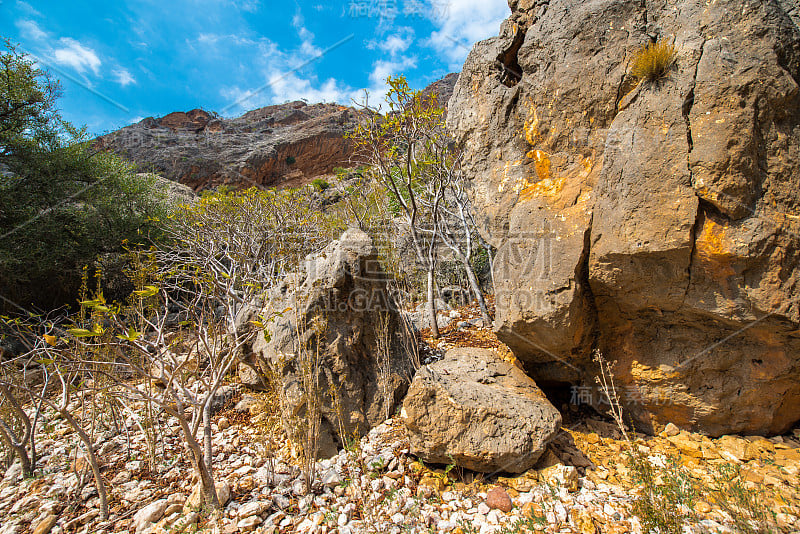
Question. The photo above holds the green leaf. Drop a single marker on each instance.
(81, 332)
(130, 335)
(147, 292)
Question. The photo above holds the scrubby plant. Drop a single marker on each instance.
(291, 160)
(319, 184)
(667, 492)
(653, 61)
(746, 506)
(412, 159)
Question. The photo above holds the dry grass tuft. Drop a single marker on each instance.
(653, 61)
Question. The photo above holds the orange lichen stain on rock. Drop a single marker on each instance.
(545, 185)
(588, 164)
(713, 250)
(641, 372)
(541, 161)
(531, 128)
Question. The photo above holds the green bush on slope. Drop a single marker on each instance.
(61, 202)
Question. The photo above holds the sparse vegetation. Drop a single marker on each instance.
(667, 493)
(319, 185)
(653, 61)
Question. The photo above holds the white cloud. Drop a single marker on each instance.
(123, 77)
(383, 69)
(395, 43)
(27, 8)
(307, 47)
(77, 56)
(31, 30)
(285, 87)
(250, 6)
(462, 23)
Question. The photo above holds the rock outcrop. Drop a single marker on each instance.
(287, 144)
(442, 88)
(657, 221)
(479, 411)
(340, 311)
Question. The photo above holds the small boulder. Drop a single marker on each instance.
(249, 523)
(498, 499)
(344, 311)
(479, 411)
(150, 514)
(45, 525)
(195, 500)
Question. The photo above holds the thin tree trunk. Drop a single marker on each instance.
(207, 444)
(431, 304)
(207, 487)
(476, 290)
(98, 478)
(17, 448)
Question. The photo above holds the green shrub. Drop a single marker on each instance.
(667, 494)
(653, 61)
(747, 507)
(319, 184)
(62, 204)
(290, 160)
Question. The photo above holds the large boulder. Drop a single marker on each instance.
(479, 411)
(654, 221)
(339, 312)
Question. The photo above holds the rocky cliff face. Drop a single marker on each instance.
(658, 221)
(442, 88)
(287, 144)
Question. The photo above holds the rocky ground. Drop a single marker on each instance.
(581, 484)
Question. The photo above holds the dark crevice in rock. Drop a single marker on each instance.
(620, 93)
(510, 71)
(558, 393)
(698, 222)
(686, 110)
(592, 315)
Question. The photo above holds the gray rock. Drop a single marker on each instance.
(331, 478)
(339, 300)
(246, 402)
(479, 411)
(651, 220)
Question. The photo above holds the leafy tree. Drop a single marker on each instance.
(420, 168)
(62, 203)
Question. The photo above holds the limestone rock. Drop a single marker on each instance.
(479, 411)
(195, 500)
(656, 221)
(150, 514)
(346, 315)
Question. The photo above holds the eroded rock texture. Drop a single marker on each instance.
(658, 221)
(287, 144)
(339, 313)
(479, 411)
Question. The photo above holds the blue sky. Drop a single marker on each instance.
(120, 61)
